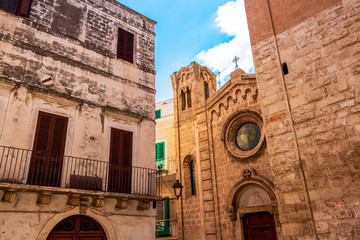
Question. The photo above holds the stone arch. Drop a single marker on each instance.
(253, 194)
(57, 218)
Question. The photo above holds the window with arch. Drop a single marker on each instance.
(206, 90)
(188, 91)
(192, 178)
(183, 100)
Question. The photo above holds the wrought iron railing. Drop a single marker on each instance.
(167, 164)
(22, 166)
(166, 227)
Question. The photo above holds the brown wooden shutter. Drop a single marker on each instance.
(129, 47)
(59, 135)
(24, 8)
(42, 136)
(125, 45)
(121, 43)
(127, 149)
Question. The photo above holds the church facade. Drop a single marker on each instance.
(276, 155)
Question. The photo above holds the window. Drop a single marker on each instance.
(158, 114)
(17, 7)
(160, 154)
(120, 164)
(188, 97)
(183, 100)
(285, 68)
(125, 45)
(206, 90)
(192, 178)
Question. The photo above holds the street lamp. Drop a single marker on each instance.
(177, 189)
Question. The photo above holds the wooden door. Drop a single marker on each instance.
(120, 163)
(77, 228)
(48, 150)
(259, 226)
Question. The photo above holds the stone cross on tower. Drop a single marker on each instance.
(236, 59)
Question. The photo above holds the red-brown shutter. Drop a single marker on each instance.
(24, 8)
(42, 136)
(129, 47)
(127, 149)
(59, 135)
(125, 45)
(121, 43)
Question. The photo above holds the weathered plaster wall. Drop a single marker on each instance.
(58, 41)
(89, 128)
(312, 121)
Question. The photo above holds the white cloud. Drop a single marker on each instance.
(231, 19)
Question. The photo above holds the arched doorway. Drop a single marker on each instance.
(259, 226)
(77, 227)
(253, 208)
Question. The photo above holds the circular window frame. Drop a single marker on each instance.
(231, 127)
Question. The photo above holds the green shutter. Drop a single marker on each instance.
(158, 114)
(160, 150)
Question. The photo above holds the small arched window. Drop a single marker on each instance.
(188, 97)
(206, 90)
(183, 100)
(285, 68)
(192, 178)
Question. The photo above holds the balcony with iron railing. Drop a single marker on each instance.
(166, 165)
(26, 167)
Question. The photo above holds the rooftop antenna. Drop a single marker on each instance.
(218, 73)
(236, 59)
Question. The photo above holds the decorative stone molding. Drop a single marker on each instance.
(231, 127)
(9, 195)
(259, 195)
(84, 204)
(143, 204)
(73, 200)
(98, 201)
(122, 203)
(44, 198)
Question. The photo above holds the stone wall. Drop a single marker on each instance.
(312, 117)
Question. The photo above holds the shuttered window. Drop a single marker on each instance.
(120, 161)
(158, 114)
(192, 177)
(48, 150)
(17, 7)
(125, 45)
(160, 150)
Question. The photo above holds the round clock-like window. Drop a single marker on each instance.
(243, 133)
(248, 136)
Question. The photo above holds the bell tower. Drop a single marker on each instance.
(193, 87)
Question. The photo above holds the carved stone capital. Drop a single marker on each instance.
(9, 195)
(98, 201)
(44, 197)
(122, 203)
(143, 205)
(231, 212)
(73, 200)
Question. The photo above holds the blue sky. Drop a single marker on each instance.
(211, 32)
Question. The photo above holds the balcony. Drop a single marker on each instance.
(168, 165)
(28, 168)
(166, 229)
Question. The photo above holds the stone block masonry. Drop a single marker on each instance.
(318, 186)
